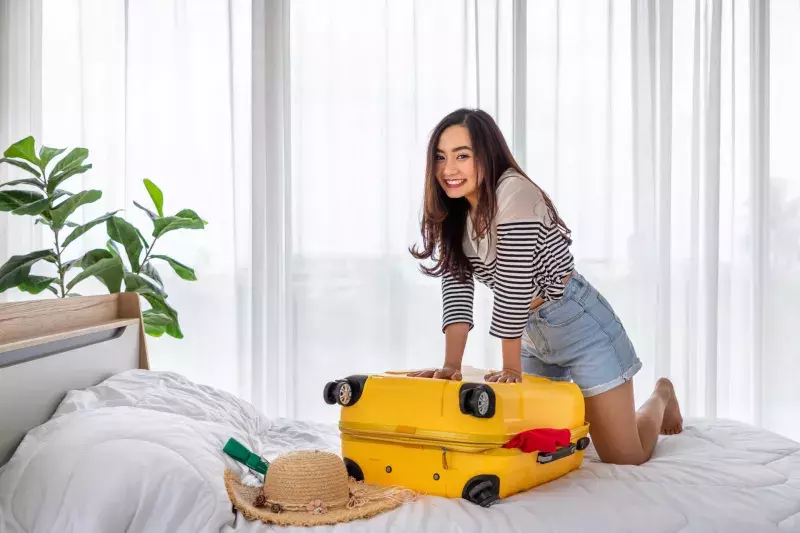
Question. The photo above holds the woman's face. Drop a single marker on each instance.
(456, 170)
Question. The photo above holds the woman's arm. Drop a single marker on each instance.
(520, 236)
(457, 299)
(512, 355)
(512, 363)
(516, 256)
(455, 342)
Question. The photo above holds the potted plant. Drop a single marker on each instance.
(128, 263)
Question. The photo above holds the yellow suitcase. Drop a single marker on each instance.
(446, 438)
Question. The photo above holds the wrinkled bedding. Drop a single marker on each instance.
(141, 452)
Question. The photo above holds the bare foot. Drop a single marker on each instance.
(672, 423)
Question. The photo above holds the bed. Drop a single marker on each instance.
(91, 440)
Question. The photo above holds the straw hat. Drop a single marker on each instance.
(311, 488)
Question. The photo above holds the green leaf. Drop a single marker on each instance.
(112, 247)
(24, 149)
(42, 221)
(180, 269)
(53, 290)
(143, 291)
(57, 180)
(108, 271)
(150, 271)
(23, 166)
(10, 200)
(123, 232)
(160, 304)
(80, 230)
(142, 285)
(55, 196)
(18, 268)
(188, 213)
(156, 195)
(67, 265)
(156, 322)
(157, 318)
(167, 224)
(33, 182)
(71, 160)
(150, 214)
(67, 207)
(91, 257)
(36, 284)
(154, 330)
(144, 241)
(34, 208)
(46, 154)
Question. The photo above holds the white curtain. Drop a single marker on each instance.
(664, 132)
(20, 94)
(266, 340)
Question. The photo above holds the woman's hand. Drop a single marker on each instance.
(506, 375)
(455, 341)
(512, 371)
(446, 372)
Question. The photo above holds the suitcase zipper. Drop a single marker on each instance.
(454, 445)
(398, 438)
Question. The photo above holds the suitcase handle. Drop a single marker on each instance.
(549, 457)
(566, 451)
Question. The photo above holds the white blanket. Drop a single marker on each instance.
(142, 453)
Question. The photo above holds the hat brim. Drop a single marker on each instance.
(242, 496)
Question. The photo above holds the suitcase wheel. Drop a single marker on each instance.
(582, 443)
(328, 394)
(477, 400)
(345, 391)
(353, 470)
(482, 490)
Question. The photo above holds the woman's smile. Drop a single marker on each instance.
(454, 183)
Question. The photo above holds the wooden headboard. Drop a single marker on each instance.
(50, 347)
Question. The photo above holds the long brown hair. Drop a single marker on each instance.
(444, 218)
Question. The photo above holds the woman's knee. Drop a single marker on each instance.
(623, 458)
(620, 451)
(614, 428)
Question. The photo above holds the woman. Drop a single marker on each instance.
(485, 219)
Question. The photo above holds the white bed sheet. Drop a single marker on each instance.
(142, 453)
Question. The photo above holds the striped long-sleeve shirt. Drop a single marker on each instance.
(523, 257)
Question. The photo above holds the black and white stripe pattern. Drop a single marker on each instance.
(531, 261)
(552, 264)
(513, 279)
(457, 298)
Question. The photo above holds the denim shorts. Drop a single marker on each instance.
(580, 338)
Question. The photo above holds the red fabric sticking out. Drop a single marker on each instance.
(540, 440)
